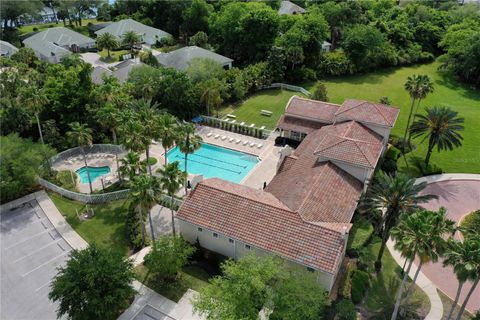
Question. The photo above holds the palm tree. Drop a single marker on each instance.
(425, 86)
(130, 39)
(34, 99)
(462, 256)
(189, 143)
(145, 193)
(393, 195)
(132, 133)
(107, 41)
(420, 233)
(172, 179)
(108, 117)
(131, 165)
(440, 125)
(210, 94)
(148, 116)
(413, 87)
(168, 132)
(81, 136)
(465, 259)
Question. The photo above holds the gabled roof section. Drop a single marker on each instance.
(181, 58)
(350, 142)
(313, 110)
(60, 36)
(7, 49)
(287, 7)
(119, 28)
(255, 217)
(98, 73)
(292, 123)
(367, 112)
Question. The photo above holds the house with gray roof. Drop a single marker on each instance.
(7, 49)
(149, 35)
(119, 71)
(287, 7)
(180, 59)
(53, 44)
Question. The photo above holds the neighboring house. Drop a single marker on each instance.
(287, 7)
(326, 46)
(148, 35)
(120, 71)
(7, 49)
(53, 44)
(304, 213)
(98, 26)
(181, 58)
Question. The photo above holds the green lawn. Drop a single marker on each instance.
(113, 54)
(29, 28)
(273, 100)
(191, 276)
(447, 304)
(360, 232)
(106, 229)
(448, 92)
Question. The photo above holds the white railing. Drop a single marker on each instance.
(236, 127)
(288, 87)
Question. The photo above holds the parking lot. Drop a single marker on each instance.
(31, 250)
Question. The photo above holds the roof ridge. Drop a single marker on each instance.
(363, 153)
(380, 111)
(333, 145)
(351, 107)
(325, 102)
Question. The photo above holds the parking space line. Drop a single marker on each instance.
(29, 238)
(43, 285)
(45, 263)
(39, 249)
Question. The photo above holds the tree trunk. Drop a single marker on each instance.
(408, 124)
(173, 218)
(141, 224)
(457, 296)
(86, 168)
(151, 224)
(413, 120)
(39, 128)
(400, 291)
(464, 304)
(165, 149)
(378, 263)
(429, 154)
(54, 14)
(147, 153)
(186, 173)
(412, 286)
(108, 52)
(114, 136)
(64, 22)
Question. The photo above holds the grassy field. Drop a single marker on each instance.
(192, 277)
(106, 229)
(113, 54)
(360, 232)
(273, 100)
(29, 28)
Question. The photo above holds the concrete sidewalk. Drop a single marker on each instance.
(436, 306)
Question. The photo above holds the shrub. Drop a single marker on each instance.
(398, 142)
(420, 169)
(385, 100)
(346, 284)
(345, 310)
(68, 180)
(199, 39)
(360, 284)
(471, 223)
(320, 92)
(335, 63)
(133, 229)
(35, 29)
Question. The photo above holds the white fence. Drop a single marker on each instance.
(96, 148)
(288, 87)
(229, 125)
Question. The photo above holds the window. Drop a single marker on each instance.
(247, 246)
(199, 229)
(215, 235)
(231, 240)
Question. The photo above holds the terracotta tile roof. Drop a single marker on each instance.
(287, 122)
(287, 163)
(312, 109)
(251, 216)
(369, 112)
(350, 142)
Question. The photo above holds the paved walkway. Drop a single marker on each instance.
(460, 195)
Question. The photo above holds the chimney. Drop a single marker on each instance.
(344, 232)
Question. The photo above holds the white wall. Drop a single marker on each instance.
(237, 249)
(383, 131)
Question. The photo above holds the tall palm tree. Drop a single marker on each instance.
(132, 134)
(421, 233)
(413, 87)
(145, 193)
(210, 94)
(148, 116)
(107, 41)
(465, 259)
(168, 132)
(34, 99)
(131, 165)
(81, 136)
(189, 143)
(441, 126)
(130, 39)
(393, 195)
(425, 87)
(172, 179)
(108, 117)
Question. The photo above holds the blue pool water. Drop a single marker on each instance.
(212, 161)
(95, 172)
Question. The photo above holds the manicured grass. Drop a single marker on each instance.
(380, 293)
(447, 304)
(29, 28)
(448, 92)
(106, 228)
(360, 232)
(114, 55)
(273, 100)
(191, 276)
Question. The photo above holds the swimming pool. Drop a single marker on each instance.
(95, 172)
(213, 161)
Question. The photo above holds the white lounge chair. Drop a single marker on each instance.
(216, 136)
(252, 144)
(259, 146)
(224, 137)
(242, 124)
(230, 140)
(209, 134)
(252, 125)
(238, 141)
(245, 142)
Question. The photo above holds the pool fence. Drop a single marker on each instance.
(233, 126)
